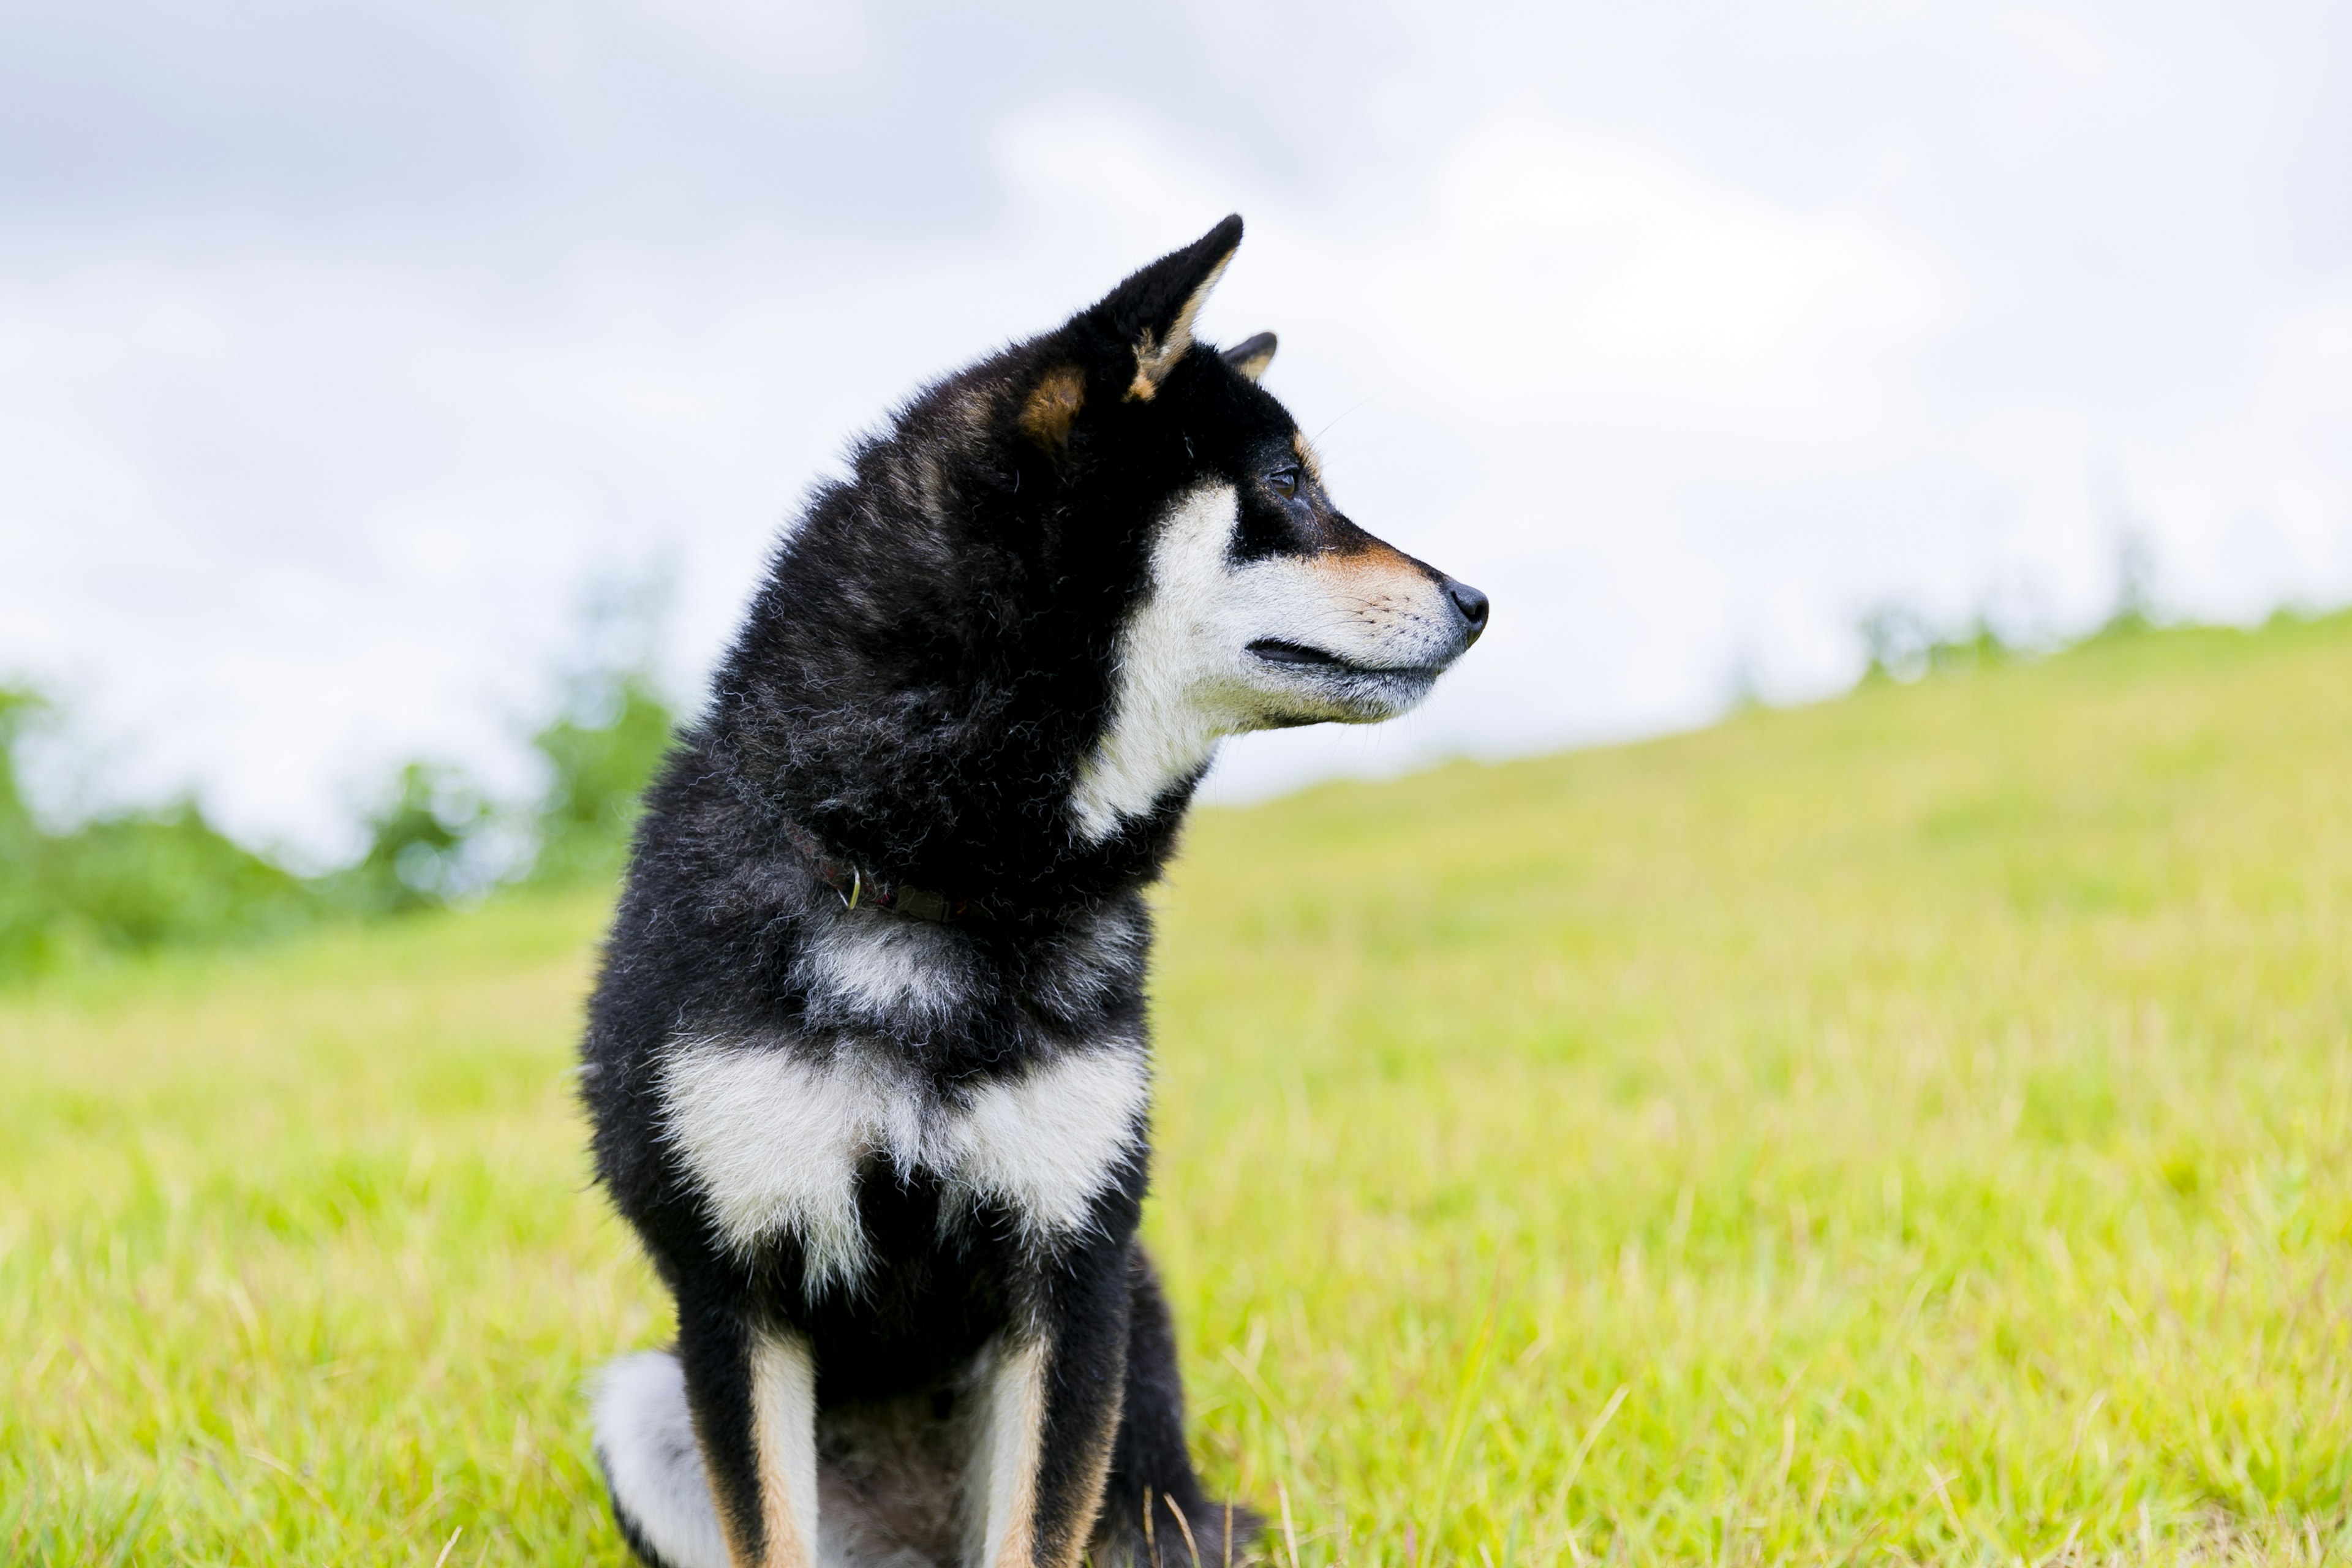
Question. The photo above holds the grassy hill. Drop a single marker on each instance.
(1919, 1126)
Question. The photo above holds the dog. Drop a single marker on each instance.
(866, 1061)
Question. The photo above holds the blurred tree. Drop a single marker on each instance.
(423, 847)
(1903, 645)
(601, 752)
(611, 730)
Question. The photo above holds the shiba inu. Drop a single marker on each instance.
(867, 1061)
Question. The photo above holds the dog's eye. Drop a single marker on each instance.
(1285, 481)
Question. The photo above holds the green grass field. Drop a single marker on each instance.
(1914, 1128)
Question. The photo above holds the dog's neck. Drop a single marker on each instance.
(931, 670)
(914, 829)
(857, 888)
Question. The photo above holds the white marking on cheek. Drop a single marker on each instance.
(1046, 1144)
(775, 1142)
(645, 1440)
(1388, 618)
(1166, 714)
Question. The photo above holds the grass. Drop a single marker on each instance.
(1914, 1128)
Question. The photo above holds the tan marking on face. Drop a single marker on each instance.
(1308, 459)
(1375, 585)
(784, 1442)
(1374, 563)
(1053, 408)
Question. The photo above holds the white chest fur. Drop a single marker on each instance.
(1166, 713)
(777, 1141)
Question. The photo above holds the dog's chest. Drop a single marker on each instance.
(780, 1143)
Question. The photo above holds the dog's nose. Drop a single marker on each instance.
(1470, 605)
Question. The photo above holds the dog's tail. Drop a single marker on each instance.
(652, 1468)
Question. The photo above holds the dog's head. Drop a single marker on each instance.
(1255, 603)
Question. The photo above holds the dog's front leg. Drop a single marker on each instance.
(1050, 1418)
(751, 1386)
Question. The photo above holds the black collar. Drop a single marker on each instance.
(857, 889)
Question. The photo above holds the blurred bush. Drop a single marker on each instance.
(138, 880)
(127, 881)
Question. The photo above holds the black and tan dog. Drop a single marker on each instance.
(867, 1061)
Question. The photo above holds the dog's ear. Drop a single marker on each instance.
(1252, 355)
(1150, 317)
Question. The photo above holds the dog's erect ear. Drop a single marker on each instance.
(1252, 355)
(1151, 313)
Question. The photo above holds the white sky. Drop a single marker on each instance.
(342, 349)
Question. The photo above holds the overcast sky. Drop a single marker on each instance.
(344, 348)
